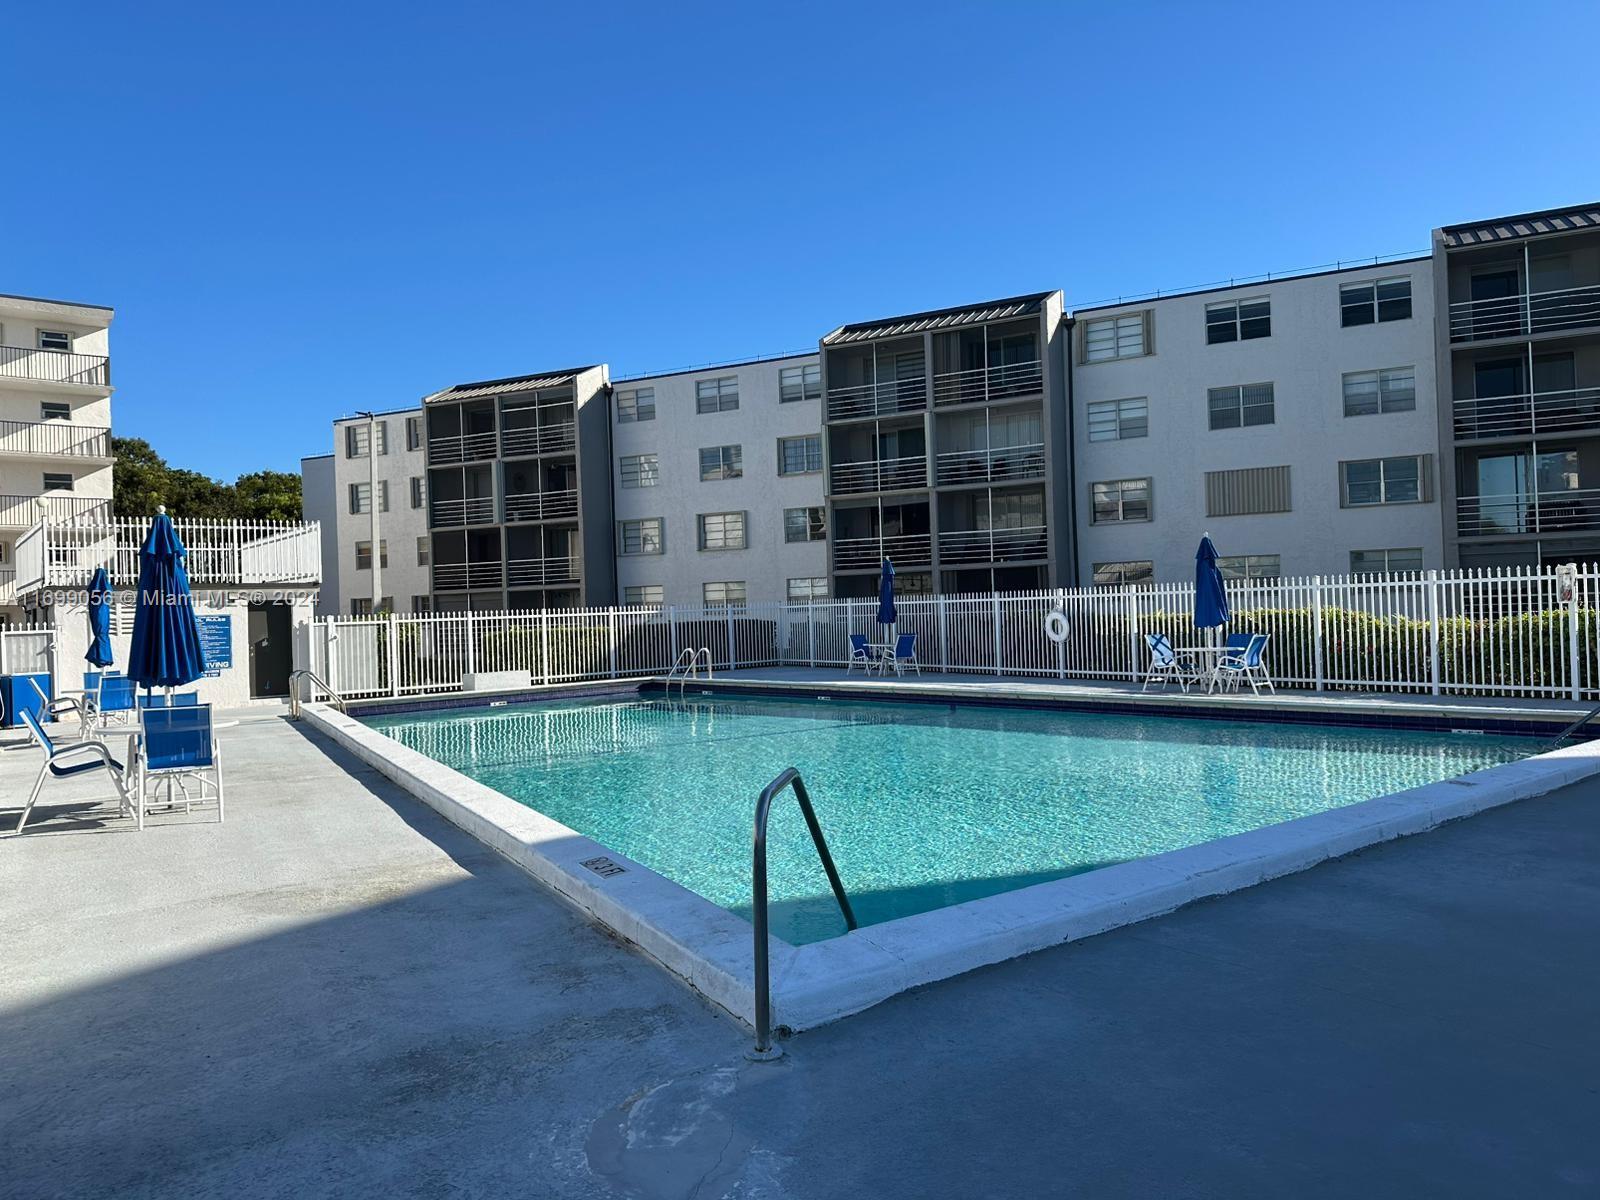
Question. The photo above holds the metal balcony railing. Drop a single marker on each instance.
(878, 399)
(461, 577)
(8, 585)
(903, 548)
(1526, 414)
(988, 383)
(54, 366)
(998, 464)
(51, 439)
(993, 545)
(540, 572)
(22, 511)
(1529, 313)
(476, 511)
(1528, 512)
(546, 439)
(541, 506)
(468, 447)
(881, 475)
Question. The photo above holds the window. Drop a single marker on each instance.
(1370, 392)
(800, 455)
(805, 524)
(1120, 500)
(1238, 321)
(721, 462)
(361, 606)
(1370, 562)
(364, 554)
(1107, 338)
(421, 604)
(728, 593)
(722, 531)
(356, 438)
(422, 553)
(800, 383)
(419, 491)
(814, 587)
(1140, 570)
(639, 537)
(1250, 566)
(644, 593)
(640, 470)
(361, 497)
(1375, 300)
(57, 482)
(54, 339)
(636, 404)
(54, 410)
(1382, 481)
(716, 395)
(1247, 404)
(413, 437)
(1117, 420)
(1247, 491)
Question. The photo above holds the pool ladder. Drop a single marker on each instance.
(764, 1050)
(1573, 728)
(688, 667)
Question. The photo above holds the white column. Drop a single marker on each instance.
(1433, 631)
(1320, 667)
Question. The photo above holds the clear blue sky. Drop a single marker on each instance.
(301, 210)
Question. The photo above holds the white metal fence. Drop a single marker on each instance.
(27, 649)
(1503, 633)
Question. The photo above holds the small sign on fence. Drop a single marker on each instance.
(216, 643)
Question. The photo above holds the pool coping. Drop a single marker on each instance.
(711, 949)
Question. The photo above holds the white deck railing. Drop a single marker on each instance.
(54, 439)
(1492, 633)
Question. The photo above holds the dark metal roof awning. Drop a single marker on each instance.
(944, 318)
(501, 387)
(1523, 225)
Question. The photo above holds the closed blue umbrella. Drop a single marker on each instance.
(886, 611)
(165, 651)
(99, 653)
(1210, 598)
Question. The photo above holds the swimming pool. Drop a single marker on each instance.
(924, 805)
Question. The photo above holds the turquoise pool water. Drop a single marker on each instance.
(923, 805)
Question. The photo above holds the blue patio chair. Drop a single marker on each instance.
(115, 699)
(56, 710)
(74, 758)
(177, 746)
(861, 654)
(162, 700)
(1243, 663)
(904, 654)
(1166, 664)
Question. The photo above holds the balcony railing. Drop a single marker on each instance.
(988, 383)
(1528, 512)
(999, 464)
(8, 585)
(479, 510)
(22, 511)
(993, 545)
(541, 506)
(1528, 413)
(467, 447)
(539, 572)
(903, 548)
(220, 553)
(878, 399)
(548, 439)
(462, 577)
(50, 439)
(1519, 316)
(54, 366)
(881, 475)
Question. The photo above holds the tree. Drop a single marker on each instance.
(141, 479)
(268, 496)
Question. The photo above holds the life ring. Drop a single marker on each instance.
(1056, 626)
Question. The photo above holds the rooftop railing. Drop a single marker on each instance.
(988, 383)
(1525, 314)
(54, 366)
(1528, 512)
(880, 475)
(49, 439)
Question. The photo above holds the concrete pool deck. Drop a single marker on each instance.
(339, 994)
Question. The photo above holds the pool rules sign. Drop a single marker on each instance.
(216, 643)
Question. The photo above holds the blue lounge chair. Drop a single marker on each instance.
(1167, 664)
(904, 654)
(177, 746)
(74, 758)
(1242, 663)
(861, 654)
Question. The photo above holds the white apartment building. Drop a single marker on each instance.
(718, 484)
(338, 493)
(55, 421)
(1295, 420)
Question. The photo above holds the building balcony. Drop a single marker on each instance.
(19, 512)
(853, 554)
(542, 506)
(460, 448)
(880, 475)
(479, 510)
(1576, 510)
(1525, 315)
(8, 586)
(878, 399)
(467, 576)
(548, 439)
(541, 572)
(54, 439)
(1008, 382)
(54, 366)
(998, 464)
(1526, 414)
(958, 546)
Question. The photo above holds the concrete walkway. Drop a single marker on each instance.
(337, 994)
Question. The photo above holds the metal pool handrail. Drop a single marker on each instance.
(689, 663)
(764, 1050)
(1573, 728)
(316, 682)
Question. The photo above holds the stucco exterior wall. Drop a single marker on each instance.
(400, 527)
